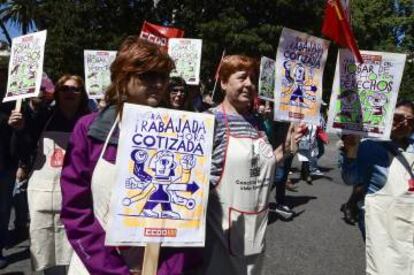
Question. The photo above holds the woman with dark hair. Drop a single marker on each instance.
(139, 75)
(243, 164)
(177, 96)
(49, 131)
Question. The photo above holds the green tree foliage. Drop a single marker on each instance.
(88, 24)
(21, 13)
(376, 26)
(240, 26)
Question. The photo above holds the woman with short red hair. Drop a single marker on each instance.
(243, 163)
(139, 75)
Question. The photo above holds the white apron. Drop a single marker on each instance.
(389, 219)
(48, 242)
(102, 183)
(238, 207)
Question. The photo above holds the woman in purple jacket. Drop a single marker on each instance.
(139, 75)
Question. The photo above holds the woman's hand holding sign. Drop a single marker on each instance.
(16, 120)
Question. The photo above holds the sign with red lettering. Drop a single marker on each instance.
(186, 54)
(161, 191)
(56, 160)
(26, 66)
(300, 63)
(159, 34)
(364, 95)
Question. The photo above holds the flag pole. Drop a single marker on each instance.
(216, 75)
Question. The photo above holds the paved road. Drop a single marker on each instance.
(317, 241)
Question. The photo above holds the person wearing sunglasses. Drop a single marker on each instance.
(383, 196)
(47, 133)
(139, 74)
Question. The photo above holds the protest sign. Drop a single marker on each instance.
(267, 79)
(26, 66)
(159, 34)
(300, 63)
(364, 95)
(163, 168)
(186, 54)
(97, 72)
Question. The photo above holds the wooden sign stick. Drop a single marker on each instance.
(18, 106)
(151, 256)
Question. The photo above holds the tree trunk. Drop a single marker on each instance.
(6, 33)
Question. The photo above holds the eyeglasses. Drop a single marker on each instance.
(400, 118)
(176, 91)
(71, 89)
(152, 76)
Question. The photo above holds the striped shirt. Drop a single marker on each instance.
(246, 126)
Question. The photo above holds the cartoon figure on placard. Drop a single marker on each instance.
(94, 86)
(350, 107)
(161, 189)
(377, 102)
(297, 85)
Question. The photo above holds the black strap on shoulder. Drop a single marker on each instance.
(397, 154)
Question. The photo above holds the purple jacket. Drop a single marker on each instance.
(84, 232)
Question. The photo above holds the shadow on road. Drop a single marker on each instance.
(295, 201)
(13, 273)
(325, 169)
(18, 256)
(292, 202)
(17, 237)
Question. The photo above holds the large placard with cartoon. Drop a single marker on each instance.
(97, 72)
(267, 79)
(163, 168)
(300, 63)
(364, 95)
(186, 54)
(26, 66)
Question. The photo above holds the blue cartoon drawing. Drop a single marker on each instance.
(162, 188)
(297, 85)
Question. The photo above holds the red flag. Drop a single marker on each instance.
(336, 27)
(159, 34)
(216, 76)
(219, 65)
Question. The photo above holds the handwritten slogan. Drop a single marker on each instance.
(186, 54)
(364, 95)
(26, 66)
(97, 72)
(300, 63)
(267, 79)
(162, 184)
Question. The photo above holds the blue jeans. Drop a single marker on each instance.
(348, 167)
(281, 175)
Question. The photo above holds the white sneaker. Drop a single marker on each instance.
(317, 173)
(283, 210)
(170, 215)
(150, 213)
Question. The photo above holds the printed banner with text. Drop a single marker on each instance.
(300, 63)
(26, 66)
(98, 72)
(267, 79)
(163, 168)
(186, 54)
(364, 95)
(159, 34)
